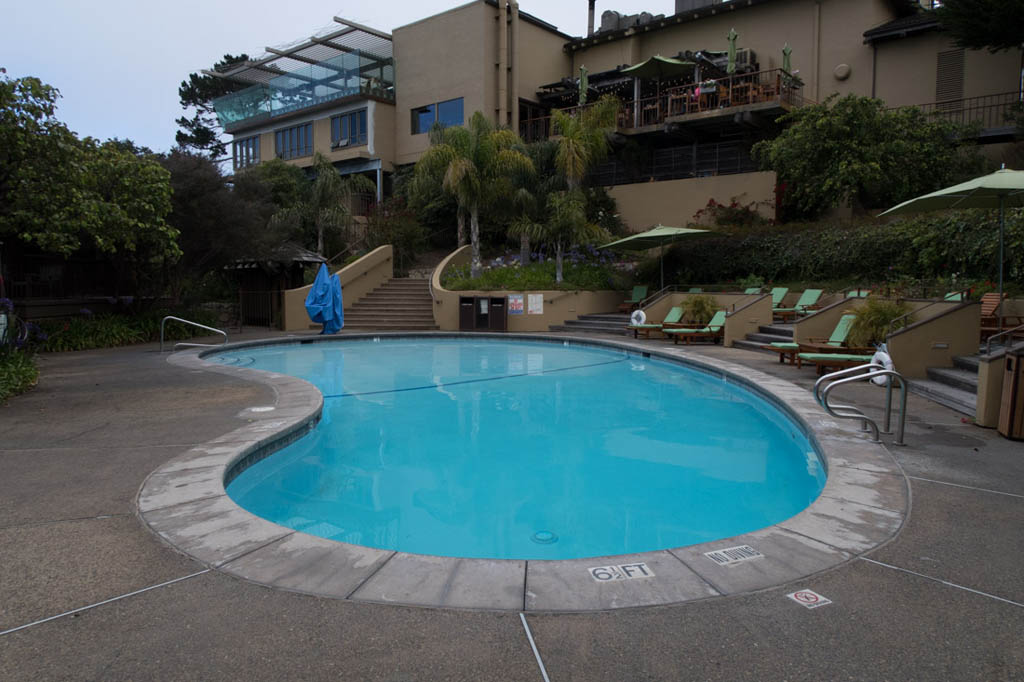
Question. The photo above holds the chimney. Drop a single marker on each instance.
(590, 18)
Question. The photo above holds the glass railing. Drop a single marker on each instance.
(351, 73)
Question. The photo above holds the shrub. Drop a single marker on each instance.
(108, 331)
(18, 373)
(700, 308)
(873, 318)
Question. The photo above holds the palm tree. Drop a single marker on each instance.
(565, 224)
(583, 137)
(476, 161)
(530, 199)
(328, 207)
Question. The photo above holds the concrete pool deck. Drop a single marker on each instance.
(862, 506)
(942, 600)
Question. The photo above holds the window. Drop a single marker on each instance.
(450, 113)
(949, 78)
(422, 119)
(245, 152)
(447, 113)
(294, 142)
(348, 129)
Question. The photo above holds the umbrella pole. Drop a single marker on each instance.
(663, 265)
(1002, 221)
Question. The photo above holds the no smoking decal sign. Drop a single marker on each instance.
(809, 599)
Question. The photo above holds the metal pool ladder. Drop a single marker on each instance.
(194, 324)
(824, 386)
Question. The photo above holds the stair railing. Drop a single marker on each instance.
(182, 344)
(824, 386)
(1009, 332)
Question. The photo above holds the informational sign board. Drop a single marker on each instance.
(536, 303)
(515, 304)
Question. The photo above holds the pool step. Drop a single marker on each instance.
(401, 304)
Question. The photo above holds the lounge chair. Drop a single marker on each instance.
(808, 301)
(824, 361)
(954, 296)
(629, 305)
(858, 293)
(673, 317)
(836, 343)
(713, 331)
(695, 290)
(990, 319)
(778, 293)
(752, 290)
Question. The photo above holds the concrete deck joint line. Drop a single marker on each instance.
(862, 506)
(944, 582)
(967, 487)
(105, 601)
(533, 645)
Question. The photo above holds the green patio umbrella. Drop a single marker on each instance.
(786, 65)
(659, 235)
(1002, 189)
(730, 67)
(657, 67)
(584, 85)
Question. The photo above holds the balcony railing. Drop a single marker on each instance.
(689, 161)
(774, 86)
(989, 112)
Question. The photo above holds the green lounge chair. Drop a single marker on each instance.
(834, 360)
(752, 290)
(954, 296)
(808, 301)
(695, 290)
(858, 293)
(836, 342)
(778, 293)
(639, 294)
(714, 330)
(673, 317)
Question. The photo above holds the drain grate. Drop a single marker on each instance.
(733, 555)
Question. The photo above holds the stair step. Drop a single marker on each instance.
(962, 401)
(962, 379)
(782, 330)
(398, 326)
(614, 318)
(378, 307)
(749, 345)
(968, 362)
(769, 338)
(615, 330)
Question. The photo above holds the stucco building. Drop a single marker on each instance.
(367, 98)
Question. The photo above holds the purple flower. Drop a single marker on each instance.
(86, 312)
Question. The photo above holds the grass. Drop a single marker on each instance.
(18, 373)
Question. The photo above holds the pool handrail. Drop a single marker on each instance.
(194, 324)
(865, 373)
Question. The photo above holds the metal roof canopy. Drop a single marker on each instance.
(322, 46)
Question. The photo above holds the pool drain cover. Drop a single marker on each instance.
(544, 537)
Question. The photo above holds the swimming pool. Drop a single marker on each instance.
(523, 450)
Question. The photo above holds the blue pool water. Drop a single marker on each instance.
(523, 450)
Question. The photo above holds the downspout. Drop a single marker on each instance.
(514, 76)
(502, 63)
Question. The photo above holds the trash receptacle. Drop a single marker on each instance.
(1011, 412)
(467, 314)
(499, 315)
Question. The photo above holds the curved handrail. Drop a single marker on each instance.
(194, 324)
(864, 373)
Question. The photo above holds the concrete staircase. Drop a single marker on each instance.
(771, 333)
(955, 387)
(400, 305)
(603, 323)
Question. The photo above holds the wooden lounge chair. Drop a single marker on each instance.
(954, 296)
(673, 317)
(752, 290)
(824, 361)
(990, 319)
(836, 343)
(778, 293)
(858, 293)
(713, 331)
(631, 304)
(808, 302)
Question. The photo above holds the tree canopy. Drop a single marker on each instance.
(994, 25)
(852, 149)
(202, 131)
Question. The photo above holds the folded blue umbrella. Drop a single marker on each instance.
(323, 303)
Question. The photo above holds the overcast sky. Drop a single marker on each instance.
(118, 63)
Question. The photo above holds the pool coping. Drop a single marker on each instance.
(863, 505)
